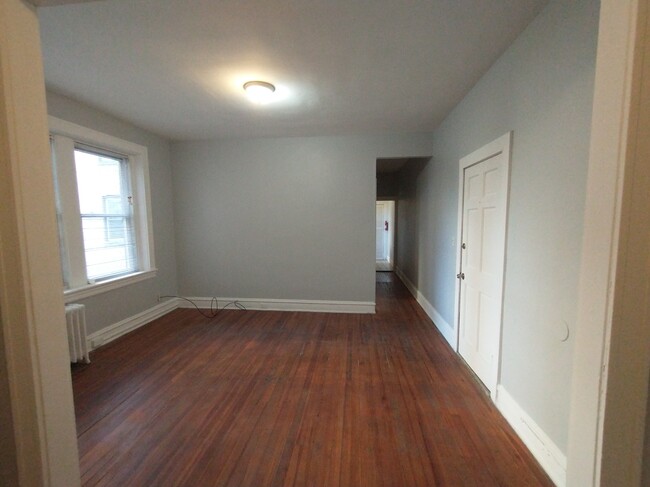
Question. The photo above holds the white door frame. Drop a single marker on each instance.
(31, 291)
(502, 145)
(609, 387)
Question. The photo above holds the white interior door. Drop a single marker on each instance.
(381, 231)
(483, 231)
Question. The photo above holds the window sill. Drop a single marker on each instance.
(105, 286)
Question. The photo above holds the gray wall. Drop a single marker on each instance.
(113, 306)
(408, 237)
(542, 89)
(281, 218)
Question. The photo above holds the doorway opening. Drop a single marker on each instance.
(385, 236)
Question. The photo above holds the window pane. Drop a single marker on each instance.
(106, 215)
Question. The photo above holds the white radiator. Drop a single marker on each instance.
(75, 317)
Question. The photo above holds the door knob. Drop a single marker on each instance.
(460, 276)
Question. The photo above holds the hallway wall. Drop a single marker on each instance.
(541, 88)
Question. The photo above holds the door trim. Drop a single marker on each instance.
(33, 319)
(609, 389)
(502, 145)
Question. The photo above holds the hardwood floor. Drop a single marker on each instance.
(302, 399)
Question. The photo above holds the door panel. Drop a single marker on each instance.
(381, 233)
(483, 236)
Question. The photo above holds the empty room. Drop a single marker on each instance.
(324, 243)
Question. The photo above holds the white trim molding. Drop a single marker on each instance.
(547, 453)
(65, 137)
(79, 133)
(112, 332)
(71, 295)
(609, 385)
(441, 324)
(306, 305)
(39, 445)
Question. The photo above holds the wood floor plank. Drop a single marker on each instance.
(292, 399)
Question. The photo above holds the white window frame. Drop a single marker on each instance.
(65, 135)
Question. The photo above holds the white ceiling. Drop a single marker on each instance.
(176, 67)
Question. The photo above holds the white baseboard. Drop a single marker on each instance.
(442, 325)
(110, 333)
(550, 457)
(307, 305)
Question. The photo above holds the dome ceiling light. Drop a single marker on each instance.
(259, 91)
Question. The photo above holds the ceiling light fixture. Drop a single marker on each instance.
(259, 91)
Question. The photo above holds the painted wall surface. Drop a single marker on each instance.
(542, 89)
(408, 218)
(281, 218)
(113, 306)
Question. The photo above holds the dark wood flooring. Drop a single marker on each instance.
(292, 399)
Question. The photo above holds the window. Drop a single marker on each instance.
(102, 200)
(117, 229)
(105, 208)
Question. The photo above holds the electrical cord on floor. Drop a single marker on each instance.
(214, 306)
